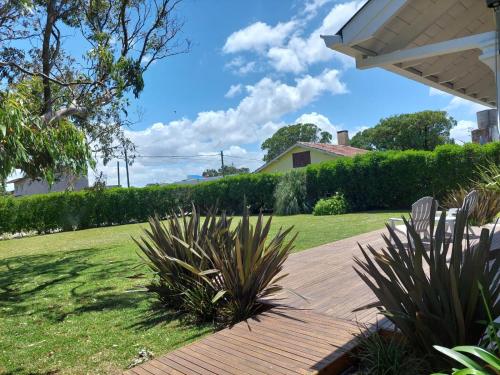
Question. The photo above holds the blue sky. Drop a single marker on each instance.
(256, 66)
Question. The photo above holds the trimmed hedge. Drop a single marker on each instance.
(396, 179)
(376, 180)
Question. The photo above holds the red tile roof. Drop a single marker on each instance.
(335, 149)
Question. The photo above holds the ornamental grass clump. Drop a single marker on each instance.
(429, 291)
(487, 185)
(169, 250)
(214, 272)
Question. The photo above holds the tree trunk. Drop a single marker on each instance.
(46, 56)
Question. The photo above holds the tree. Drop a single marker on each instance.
(228, 170)
(419, 131)
(59, 89)
(287, 136)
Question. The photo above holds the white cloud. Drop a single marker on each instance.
(462, 132)
(258, 36)
(240, 66)
(320, 120)
(256, 117)
(286, 49)
(233, 91)
(312, 6)
(457, 102)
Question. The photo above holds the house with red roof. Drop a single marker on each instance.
(302, 154)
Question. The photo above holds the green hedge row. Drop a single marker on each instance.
(93, 208)
(395, 179)
(377, 180)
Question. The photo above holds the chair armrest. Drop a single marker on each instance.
(392, 221)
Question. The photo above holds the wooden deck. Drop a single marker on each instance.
(308, 335)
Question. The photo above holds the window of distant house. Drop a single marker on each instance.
(301, 159)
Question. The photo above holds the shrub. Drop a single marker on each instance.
(396, 179)
(248, 267)
(290, 194)
(431, 295)
(175, 252)
(212, 271)
(376, 180)
(387, 355)
(487, 184)
(486, 209)
(335, 205)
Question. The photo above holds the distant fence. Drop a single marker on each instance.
(377, 180)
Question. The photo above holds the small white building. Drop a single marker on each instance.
(24, 186)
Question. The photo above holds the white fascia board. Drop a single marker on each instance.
(427, 51)
(370, 18)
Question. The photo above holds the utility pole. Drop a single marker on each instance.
(222, 162)
(118, 170)
(126, 167)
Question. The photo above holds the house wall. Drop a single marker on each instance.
(31, 187)
(285, 162)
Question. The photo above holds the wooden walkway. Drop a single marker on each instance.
(309, 335)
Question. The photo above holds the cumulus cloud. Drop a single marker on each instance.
(233, 91)
(462, 132)
(258, 36)
(293, 51)
(457, 102)
(320, 120)
(312, 6)
(256, 117)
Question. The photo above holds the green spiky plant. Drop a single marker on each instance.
(487, 184)
(212, 271)
(487, 354)
(250, 267)
(169, 251)
(430, 292)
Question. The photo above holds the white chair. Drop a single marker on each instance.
(468, 206)
(421, 216)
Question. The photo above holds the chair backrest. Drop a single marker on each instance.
(421, 213)
(470, 201)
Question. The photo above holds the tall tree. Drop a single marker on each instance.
(56, 89)
(228, 170)
(287, 136)
(419, 131)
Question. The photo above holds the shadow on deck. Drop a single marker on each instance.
(309, 335)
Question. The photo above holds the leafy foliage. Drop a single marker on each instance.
(396, 179)
(486, 209)
(418, 131)
(287, 136)
(487, 184)
(120, 40)
(228, 170)
(27, 143)
(335, 205)
(491, 343)
(290, 194)
(211, 270)
(380, 354)
(430, 293)
(364, 180)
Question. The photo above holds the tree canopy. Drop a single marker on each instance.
(419, 131)
(228, 170)
(287, 136)
(59, 107)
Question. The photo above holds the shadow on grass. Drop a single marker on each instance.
(53, 286)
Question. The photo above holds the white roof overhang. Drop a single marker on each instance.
(446, 44)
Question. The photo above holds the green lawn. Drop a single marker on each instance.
(64, 305)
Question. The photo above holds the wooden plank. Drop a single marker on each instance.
(312, 336)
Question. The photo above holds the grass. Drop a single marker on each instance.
(65, 305)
